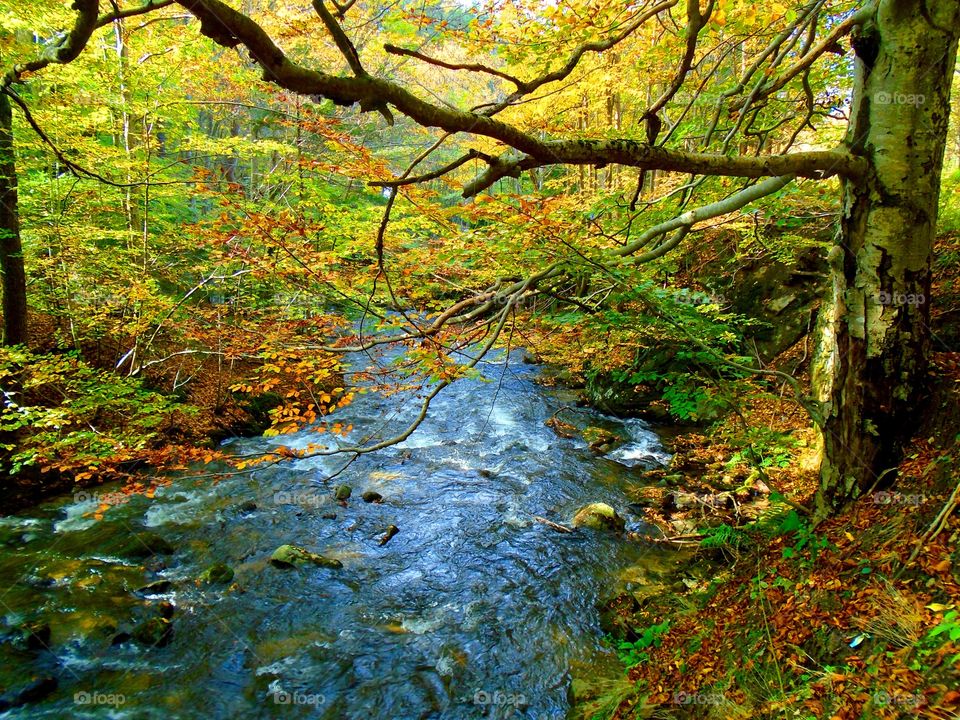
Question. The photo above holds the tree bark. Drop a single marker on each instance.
(11, 250)
(871, 364)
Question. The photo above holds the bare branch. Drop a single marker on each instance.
(828, 44)
(147, 7)
(472, 67)
(439, 172)
(695, 23)
(342, 8)
(525, 87)
(596, 46)
(425, 404)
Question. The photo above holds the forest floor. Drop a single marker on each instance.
(854, 618)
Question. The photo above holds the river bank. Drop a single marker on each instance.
(768, 616)
(73, 419)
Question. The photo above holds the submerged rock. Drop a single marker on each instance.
(288, 556)
(144, 544)
(598, 516)
(154, 632)
(33, 691)
(216, 574)
(156, 587)
(30, 636)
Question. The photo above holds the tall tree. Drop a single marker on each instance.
(11, 249)
(875, 330)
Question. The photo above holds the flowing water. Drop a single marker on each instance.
(474, 609)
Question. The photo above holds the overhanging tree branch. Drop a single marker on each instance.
(690, 218)
(817, 164)
(231, 28)
(472, 67)
(64, 50)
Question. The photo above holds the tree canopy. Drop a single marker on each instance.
(203, 180)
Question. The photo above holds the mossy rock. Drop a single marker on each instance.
(598, 516)
(601, 440)
(217, 574)
(289, 556)
(155, 632)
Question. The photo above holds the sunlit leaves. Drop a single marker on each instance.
(80, 419)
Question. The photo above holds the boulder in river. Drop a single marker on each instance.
(342, 492)
(217, 574)
(156, 587)
(371, 496)
(30, 636)
(600, 440)
(154, 632)
(598, 516)
(288, 556)
(386, 537)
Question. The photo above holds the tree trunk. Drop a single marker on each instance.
(875, 337)
(11, 251)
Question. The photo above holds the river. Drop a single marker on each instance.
(475, 609)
